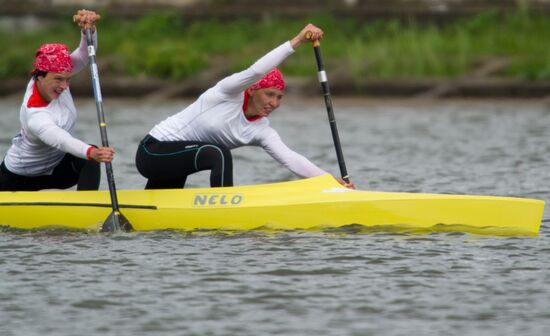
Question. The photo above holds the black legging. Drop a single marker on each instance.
(70, 171)
(166, 164)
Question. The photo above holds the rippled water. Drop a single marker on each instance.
(338, 282)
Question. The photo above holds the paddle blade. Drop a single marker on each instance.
(116, 222)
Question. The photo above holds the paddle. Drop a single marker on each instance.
(322, 75)
(115, 221)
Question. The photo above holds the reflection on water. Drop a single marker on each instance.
(349, 281)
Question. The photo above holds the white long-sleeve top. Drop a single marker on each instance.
(217, 117)
(47, 131)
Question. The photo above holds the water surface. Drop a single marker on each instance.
(338, 282)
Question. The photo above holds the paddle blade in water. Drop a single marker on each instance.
(116, 222)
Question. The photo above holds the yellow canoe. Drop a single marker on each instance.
(315, 203)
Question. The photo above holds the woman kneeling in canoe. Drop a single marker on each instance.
(231, 114)
(45, 155)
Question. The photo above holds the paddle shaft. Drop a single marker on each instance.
(102, 123)
(322, 75)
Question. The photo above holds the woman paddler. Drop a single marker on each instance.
(45, 154)
(231, 114)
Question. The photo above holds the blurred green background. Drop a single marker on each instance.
(165, 43)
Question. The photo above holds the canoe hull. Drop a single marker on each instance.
(315, 203)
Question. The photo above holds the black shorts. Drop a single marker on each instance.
(69, 172)
(166, 164)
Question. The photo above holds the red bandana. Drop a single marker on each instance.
(53, 57)
(274, 79)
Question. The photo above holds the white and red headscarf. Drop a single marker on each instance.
(273, 79)
(53, 57)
